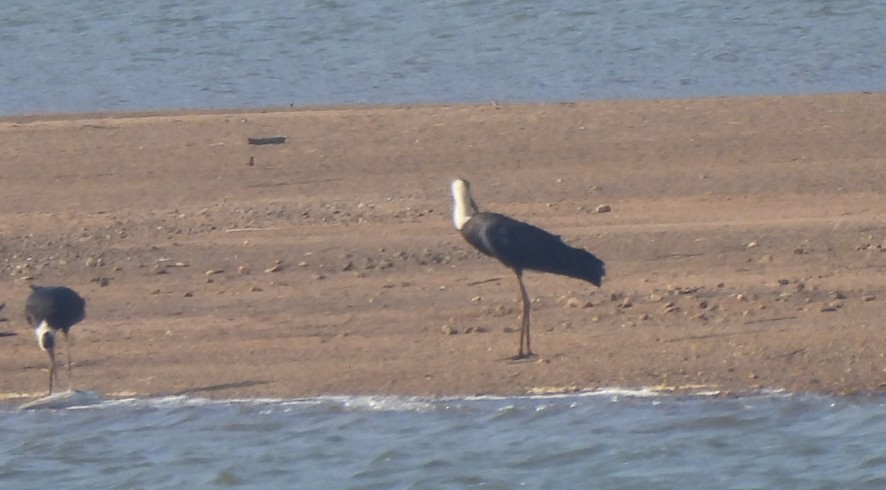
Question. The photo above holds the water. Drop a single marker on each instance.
(605, 440)
(83, 55)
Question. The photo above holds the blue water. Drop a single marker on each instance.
(83, 55)
(601, 440)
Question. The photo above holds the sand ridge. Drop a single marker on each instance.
(745, 247)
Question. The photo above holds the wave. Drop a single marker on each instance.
(87, 400)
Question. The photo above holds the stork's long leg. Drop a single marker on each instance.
(52, 371)
(68, 351)
(524, 328)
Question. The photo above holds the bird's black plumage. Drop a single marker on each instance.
(521, 246)
(60, 306)
(53, 309)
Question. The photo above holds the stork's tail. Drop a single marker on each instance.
(584, 265)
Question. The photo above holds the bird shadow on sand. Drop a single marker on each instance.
(521, 360)
(4, 319)
(221, 387)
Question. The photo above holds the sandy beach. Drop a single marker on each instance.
(744, 240)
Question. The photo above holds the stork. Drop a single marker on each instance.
(48, 310)
(520, 246)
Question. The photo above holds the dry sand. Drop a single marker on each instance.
(745, 247)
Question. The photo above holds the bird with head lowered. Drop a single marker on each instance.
(50, 310)
(520, 246)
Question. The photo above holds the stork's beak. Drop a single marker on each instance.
(46, 340)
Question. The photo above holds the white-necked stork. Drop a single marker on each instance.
(520, 246)
(48, 310)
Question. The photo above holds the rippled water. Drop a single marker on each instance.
(83, 55)
(606, 440)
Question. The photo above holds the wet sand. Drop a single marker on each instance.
(745, 245)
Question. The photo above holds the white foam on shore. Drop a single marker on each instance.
(65, 400)
(80, 399)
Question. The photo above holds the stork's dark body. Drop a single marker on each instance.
(61, 307)
(522, 246)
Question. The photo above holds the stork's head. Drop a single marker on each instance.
(463, 206)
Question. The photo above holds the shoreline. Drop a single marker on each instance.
(275, 109)
(744, 246)
(406, 402)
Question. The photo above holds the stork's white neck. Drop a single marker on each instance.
(463, 206)
(42, 329)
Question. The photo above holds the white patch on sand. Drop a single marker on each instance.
(64, 399)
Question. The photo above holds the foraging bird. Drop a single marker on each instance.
(520, 246)
(48, 310)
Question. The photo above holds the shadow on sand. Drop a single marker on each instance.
(220, 387)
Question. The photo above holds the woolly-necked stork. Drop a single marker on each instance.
(48, 310)
(520, 246)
